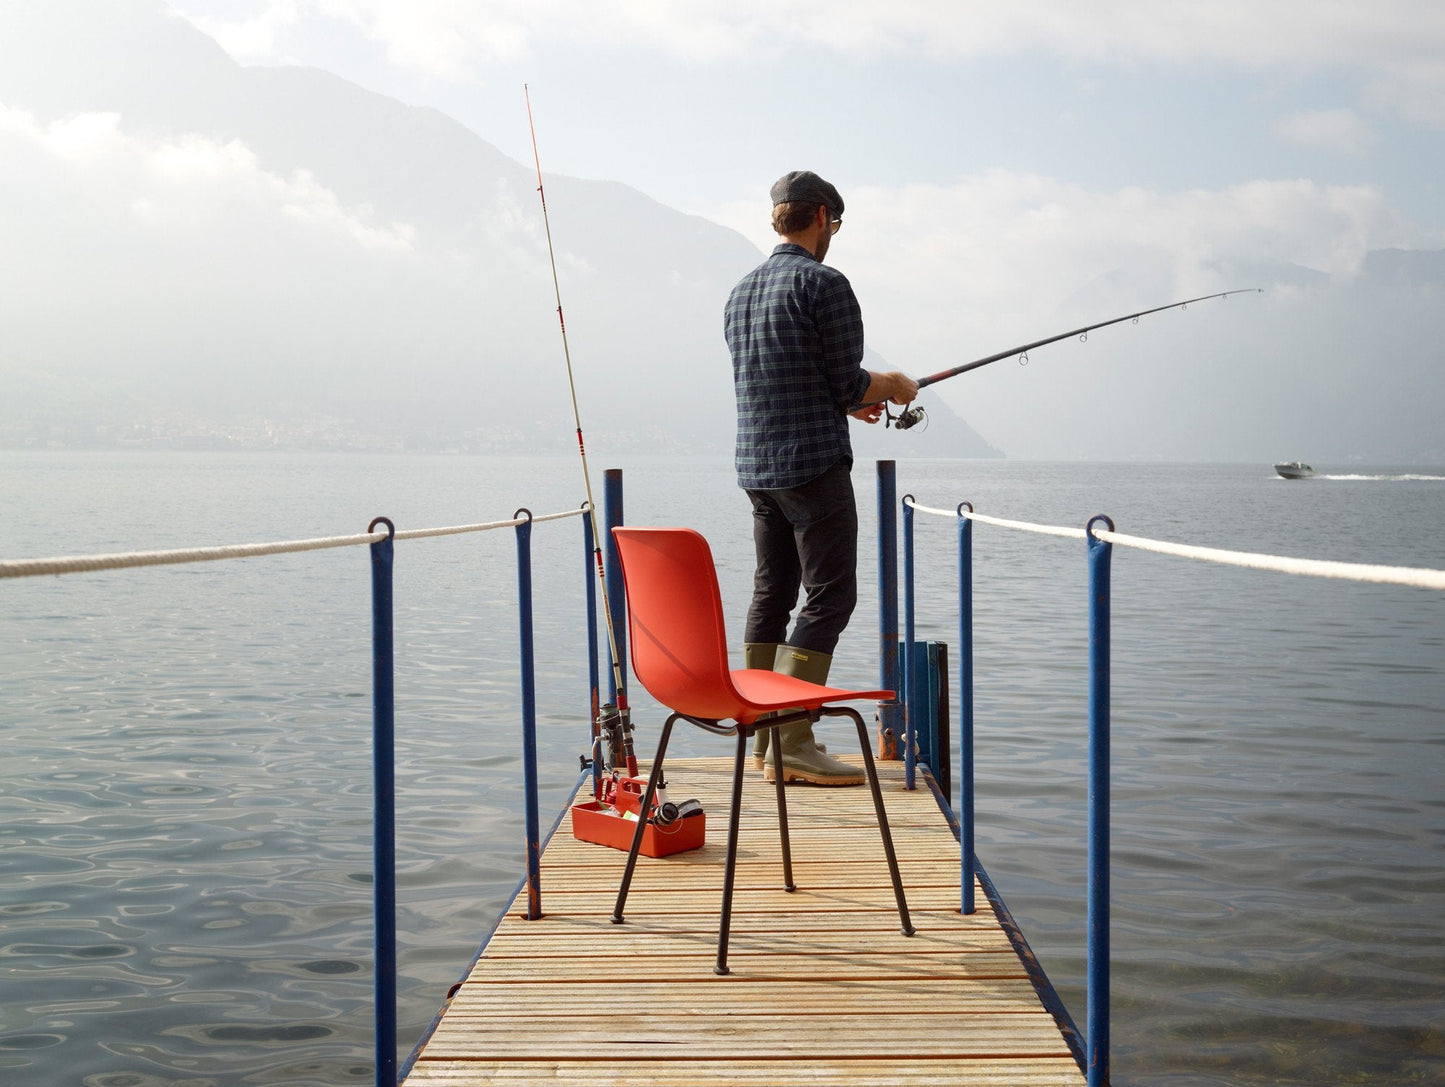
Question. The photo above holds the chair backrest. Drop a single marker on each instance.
(675, 621)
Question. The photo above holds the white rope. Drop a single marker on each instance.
(1022, 526)
(423, 533)
(75, 564)
(1414, 576)
(929, 509)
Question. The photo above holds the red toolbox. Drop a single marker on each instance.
(614, 824)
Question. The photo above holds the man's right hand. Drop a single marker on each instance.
(894, 385)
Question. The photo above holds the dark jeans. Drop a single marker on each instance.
(805, 536)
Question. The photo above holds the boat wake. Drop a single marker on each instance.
(1401, 477)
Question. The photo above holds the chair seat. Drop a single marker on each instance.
(767, 692)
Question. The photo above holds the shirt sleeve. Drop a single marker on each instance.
(840, 328)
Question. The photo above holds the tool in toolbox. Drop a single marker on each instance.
(610, 818)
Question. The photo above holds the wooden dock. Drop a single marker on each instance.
(823, 990)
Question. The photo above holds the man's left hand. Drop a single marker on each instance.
(870, 414)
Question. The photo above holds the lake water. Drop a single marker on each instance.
(185, 789)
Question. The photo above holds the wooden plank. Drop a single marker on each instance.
(789, 940)
(658, 1032)
(878, 898)
(756, 846)
(764, 873)
(777, 933)
(693, 996)
(561, 925)
(618, 1071)
(746, 964)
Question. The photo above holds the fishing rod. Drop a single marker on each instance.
(911, 416)
(614, 721)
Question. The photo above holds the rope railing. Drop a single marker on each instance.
(1099, 536)
(1414, 576)
(383, 706)
(78, 564)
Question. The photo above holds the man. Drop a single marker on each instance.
(795, 333)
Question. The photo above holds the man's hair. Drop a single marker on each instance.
(795, 216)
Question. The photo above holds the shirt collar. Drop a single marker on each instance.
(792, 247)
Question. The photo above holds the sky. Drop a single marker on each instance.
(1190, 107)
(1010, 171)
(995, 158)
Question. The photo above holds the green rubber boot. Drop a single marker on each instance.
(759, 655)
(804, 759)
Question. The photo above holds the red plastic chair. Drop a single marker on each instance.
(679, 653)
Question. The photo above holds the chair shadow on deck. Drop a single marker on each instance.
(680, 654)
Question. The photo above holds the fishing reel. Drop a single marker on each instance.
(905, 419)
(624, 795)
(614, 728)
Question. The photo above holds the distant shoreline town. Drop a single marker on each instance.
(326, 434)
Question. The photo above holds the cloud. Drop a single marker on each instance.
(1015, 248)
(1413, 88)
(254, 38)
(441, 39)
(82, 138)
(1400, 46)
(1017, 257)
(446, 38)
(1338, 130)
(194, 183)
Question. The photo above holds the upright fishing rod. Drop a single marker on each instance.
(619, 720)
(913, 416)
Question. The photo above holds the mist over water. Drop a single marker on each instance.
(185, 888)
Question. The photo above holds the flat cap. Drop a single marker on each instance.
(806, 185)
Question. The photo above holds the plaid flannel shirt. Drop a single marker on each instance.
(795, 333)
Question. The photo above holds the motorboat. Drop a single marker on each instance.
(1294, 470)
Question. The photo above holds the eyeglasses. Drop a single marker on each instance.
(835, 222)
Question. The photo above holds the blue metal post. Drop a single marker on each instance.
(1098, 954)
(965, 697)
(589, 576)
(616, 594)
(529, 715)
(910, 681)
(890, 714)
(383, 788)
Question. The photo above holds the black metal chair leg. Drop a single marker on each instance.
(788, 884)
(888, 852)
(725, 925)
(652, 780)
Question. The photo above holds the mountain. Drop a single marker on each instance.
(203, 253)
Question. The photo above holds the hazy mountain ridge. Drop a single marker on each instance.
(274, 256)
